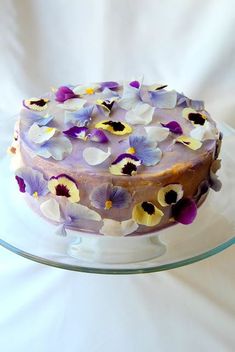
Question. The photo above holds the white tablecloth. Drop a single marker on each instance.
(188, 44)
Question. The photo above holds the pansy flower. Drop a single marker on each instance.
(79, 118)
(95, 156)
(197, 118)
(37, 104)
(105, 106)
(110, 85)
(146, 213)
(184, 211)
(64, 93)
(170, 194)
(144, 150)
(28, 118)
(173, 126)
(31, 181)
(64, 186)
(163, 99)
(115, 127)
(94, 135)
(131, 96)
(118, 228)
(72, 104)
(140, 114)
(156, 134)
(88, 89)
(46, 142)
(189, 142)
(202, 133)
(107, 196)
(184, 101)
(153, 87)
(125, 164)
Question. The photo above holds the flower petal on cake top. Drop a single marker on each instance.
(64, 93)
(170, 194)
(77, 132)
(154, 87)
(202, 191)
(163, 99)
(184, 211)
(197, 118)
(214, 181)
(202, 133)
(108, 94)
(107, 196)
(57, 147)
(79, 118)
(29, 118)
(31, 181)
(146, 213)
(75, 212)
(115, 127)
(184, 101)
(173, 126)
(189, 142)
(39, 135)
(105, 106)
(135, 84)
(141, 114)
(88, 89)
(157, 134)
(51, 209)
(125, 164)
(37, 104)
(110, 85)
(72, 104)
(95, 156)
(118, 228)
(144, 150)
(130, 97)
(98, 136)
(64, 186)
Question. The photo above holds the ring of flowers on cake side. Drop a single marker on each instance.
(81, 106)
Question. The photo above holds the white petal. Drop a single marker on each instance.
(202, 133)
(61, 231)
(130, 97)
(142, 114)
(81, 89)
(57, 148)
(157, 133)
(95, 156)
(116, 228)
(165, 99)
(40, 134)
(51, 209)
(72, 104)
(78, 211)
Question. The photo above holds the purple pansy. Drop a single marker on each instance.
(184, 211)
(173, 126)
(185, 102)
(64, 93)
(107, 196)
(125, 164)
(135, 84)
(79, 118)
(31, 181)
(95, 135)
(77, 132)
(144, 150)
(163, 99)
(109, 84)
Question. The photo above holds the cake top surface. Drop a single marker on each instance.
(122, 129)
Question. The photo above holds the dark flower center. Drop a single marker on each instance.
(129, 168)
(40, 102)
(161, 87)
(171, 197)
(62, 190)
(148, 207)
(196, 117)
(117, 126)
(108, 104)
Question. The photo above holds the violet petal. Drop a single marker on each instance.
(173, 126)
(21, 184)
(109, 84)
(97, 135)
(76, 132)
(135, 84)
(64, 93)
(184, 211)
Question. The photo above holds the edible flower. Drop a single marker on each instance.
(189, 142)
(105, 106)
(170, 194)
(118, 228)
(173, 126)
(64, 93)
(184, 211)
(79, 118)
(83, 133)
(131, 96)
(140, 114)
(125, 164)
(31, 181)
(156, 134)
(95, 156)
(110, 85)
(28, 118)
(88, 89)
(185, 102)
(146, 213)
(202, 133)
(64, 186)
(72, 104)
(163, 99)
(144, 150)
(37, 104)
(107, 196)
(115, 127)
(197, 118)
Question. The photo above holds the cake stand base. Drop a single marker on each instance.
(116, 250)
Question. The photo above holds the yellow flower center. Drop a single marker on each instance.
(35, 195)
(131, 150)
(90, 90)
(49, 129)
(108, 204)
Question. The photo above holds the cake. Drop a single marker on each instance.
(115, 159)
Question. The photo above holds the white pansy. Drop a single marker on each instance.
(141, 114)
(157, 133)
(202, 133)
(95, 156)
(39, 134)
(72, 104)
(118, 228)
(86, 89)
(51, 209)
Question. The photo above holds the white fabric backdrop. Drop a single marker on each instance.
(189, 45)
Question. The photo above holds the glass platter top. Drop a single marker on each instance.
(23, 232)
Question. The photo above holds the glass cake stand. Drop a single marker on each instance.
(25, 233)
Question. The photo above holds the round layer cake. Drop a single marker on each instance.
(115, 158)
